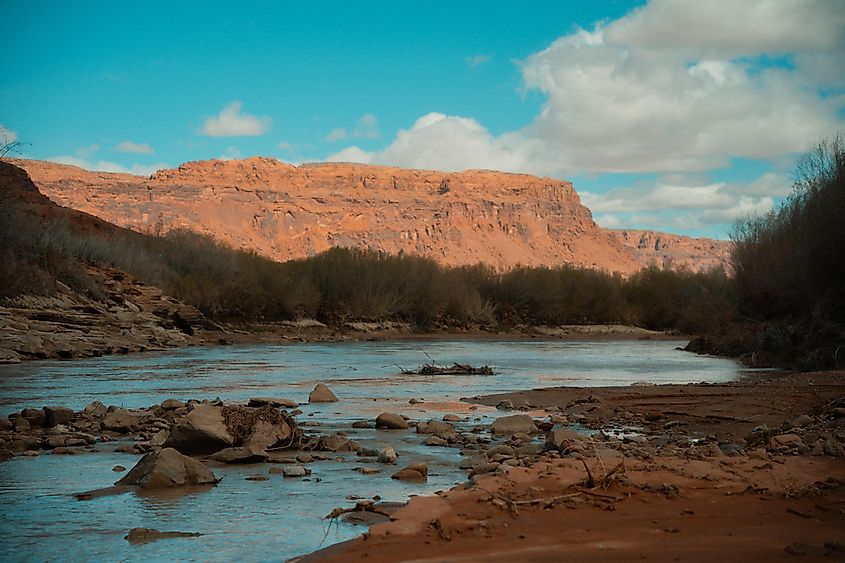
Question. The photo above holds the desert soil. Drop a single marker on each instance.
(752, 470)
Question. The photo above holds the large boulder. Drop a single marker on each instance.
(514, 424)
(120, 420)
(210, 428)
(322, 394)
(391, 421)
(53, 416)
(167, 468)
(202, 431)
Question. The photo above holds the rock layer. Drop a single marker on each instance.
(286, 212)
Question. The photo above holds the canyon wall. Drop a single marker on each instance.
(286, 212)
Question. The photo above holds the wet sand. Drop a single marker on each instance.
(708, 483)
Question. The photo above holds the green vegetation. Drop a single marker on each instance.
(790, 266)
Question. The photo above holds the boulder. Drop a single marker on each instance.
(335, 443)
(159, 438)
(167, 468)
(268, 430)
(240, 454)
(435, 441)
(95, 409)
(34, 417)
(451, 418)
(387, 455)
(322, 394)
(435, 427)
(785, 440)
(202, 431)
(172, 404)
(391, 421)
(120, 420)
(269, 401)
(295, 471)
(412, 474)
(509, 425)
(561, 439)
(54, 416)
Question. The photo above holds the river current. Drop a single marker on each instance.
(279, 518)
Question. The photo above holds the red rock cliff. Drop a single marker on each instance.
(286, 212)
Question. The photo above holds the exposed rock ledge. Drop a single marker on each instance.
(132, 317)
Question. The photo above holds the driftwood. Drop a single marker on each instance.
(454, 369)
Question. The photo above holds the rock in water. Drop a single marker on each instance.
(168, 468)
(509, 425)
(146, 535)
(240, 455)
(322, 394)
(391, 421)
(202, 431)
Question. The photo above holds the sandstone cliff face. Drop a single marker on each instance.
(666, 250)
(286, 212)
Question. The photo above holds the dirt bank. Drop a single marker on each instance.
(752, 470)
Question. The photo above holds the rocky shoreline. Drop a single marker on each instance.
(697, 472)
(641, 470)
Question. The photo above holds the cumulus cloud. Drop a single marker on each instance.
(729, 29)
(443, 142)
(476, 61)
(108, 166)
(231, 122)
(673, 86)
(691, 205)
(130, 147)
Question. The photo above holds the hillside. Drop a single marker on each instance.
(58, 306)
(286, 212)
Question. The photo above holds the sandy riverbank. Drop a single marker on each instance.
(750, 470)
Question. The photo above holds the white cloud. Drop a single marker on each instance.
(673, 86)
(230, 122)
(367, 127)
(337, 134)
(476, 61)
(7, 136)
(728, 29)
(444, 142)
(685, 206)
(139, 148)
(285, 145)
(351, 154)
(108, 166)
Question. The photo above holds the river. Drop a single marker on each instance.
(279, 518)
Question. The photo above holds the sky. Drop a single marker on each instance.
(673, 115)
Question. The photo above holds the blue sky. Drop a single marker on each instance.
(661, 113)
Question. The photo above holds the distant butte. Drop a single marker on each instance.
(287, 212)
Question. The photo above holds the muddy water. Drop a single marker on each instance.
(279, 518)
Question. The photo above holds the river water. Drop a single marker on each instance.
(279, 518)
